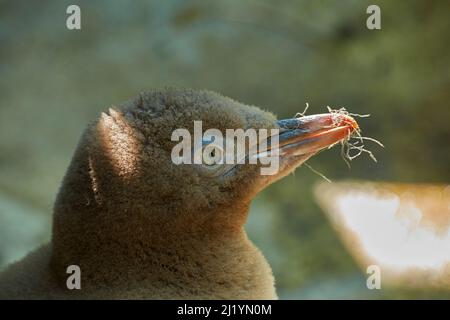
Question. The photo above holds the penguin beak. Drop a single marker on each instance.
(309, 134)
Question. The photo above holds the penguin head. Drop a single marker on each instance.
(129, 169)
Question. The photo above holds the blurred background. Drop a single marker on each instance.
(276, 55)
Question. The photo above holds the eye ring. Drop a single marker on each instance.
(212, 155)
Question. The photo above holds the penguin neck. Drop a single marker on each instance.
(153, 260)
(128, 239)
(130, 243)
(91, 230)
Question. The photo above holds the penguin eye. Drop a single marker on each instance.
(213, 158)
(212, 155)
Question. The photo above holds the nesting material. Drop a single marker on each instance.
(354, 145)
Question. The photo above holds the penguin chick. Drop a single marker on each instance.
(141, 227)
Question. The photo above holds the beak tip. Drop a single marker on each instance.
(315, 132)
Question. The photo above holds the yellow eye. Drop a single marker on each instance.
(212, 155)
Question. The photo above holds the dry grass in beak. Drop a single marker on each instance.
(351, 147)
(355, 141)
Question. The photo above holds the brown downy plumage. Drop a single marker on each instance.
(140, 226)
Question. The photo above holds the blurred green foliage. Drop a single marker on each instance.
(277, 55)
